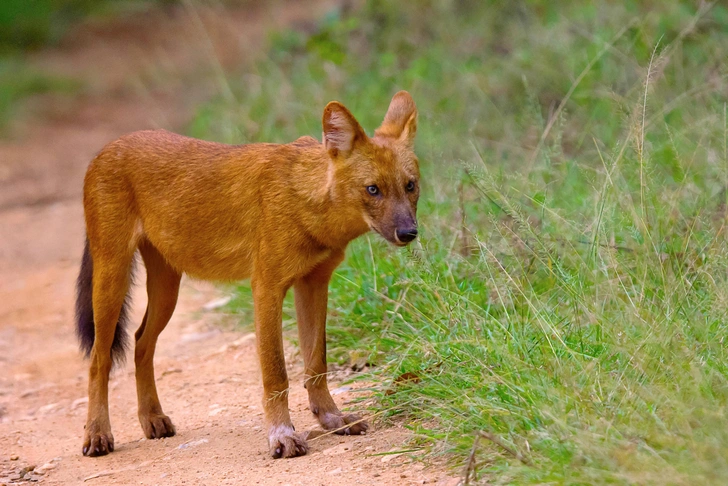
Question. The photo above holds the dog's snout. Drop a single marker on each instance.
(406, 235)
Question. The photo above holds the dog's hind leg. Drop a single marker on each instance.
(111, 270)
(162, 288)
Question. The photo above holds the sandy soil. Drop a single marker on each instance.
(146, 71)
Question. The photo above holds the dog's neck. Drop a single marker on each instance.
(328, 214)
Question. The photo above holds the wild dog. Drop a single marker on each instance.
(281, 215)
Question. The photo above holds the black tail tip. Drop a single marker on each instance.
(85, 329)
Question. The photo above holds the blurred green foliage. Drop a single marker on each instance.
(34, 23)
(18, 81)
(30, 24)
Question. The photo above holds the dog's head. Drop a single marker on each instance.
(381, 174)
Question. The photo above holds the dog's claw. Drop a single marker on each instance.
(156, 425)
(284, 442)
(98, 441)
(338, 423)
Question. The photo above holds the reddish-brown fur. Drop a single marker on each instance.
(281, 215)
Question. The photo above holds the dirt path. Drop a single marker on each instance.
(147, 71)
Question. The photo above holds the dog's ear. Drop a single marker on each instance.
(400, 122)
(341, 130)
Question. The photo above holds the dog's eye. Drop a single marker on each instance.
(373, 190)
(410, 186)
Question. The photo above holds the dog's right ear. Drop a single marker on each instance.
(400, 122)
(341, 130)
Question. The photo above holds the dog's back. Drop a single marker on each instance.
(203, 205)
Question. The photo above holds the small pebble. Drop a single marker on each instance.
(45, 468)
(14, 457)
(79, 402)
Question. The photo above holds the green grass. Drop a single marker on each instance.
(569, 291)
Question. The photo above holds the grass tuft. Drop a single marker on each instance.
(567, 300)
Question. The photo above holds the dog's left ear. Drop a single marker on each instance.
(341, 131)
(400, 122)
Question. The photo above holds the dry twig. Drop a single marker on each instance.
(498, 441)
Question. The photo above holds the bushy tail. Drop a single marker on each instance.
(85, 312)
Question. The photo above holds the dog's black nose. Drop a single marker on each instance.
(407, 235)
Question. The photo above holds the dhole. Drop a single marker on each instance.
(281, 215)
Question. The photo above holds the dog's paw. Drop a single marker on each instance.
(284, 441)
(156, 425)
(97, 441)
(349, 424)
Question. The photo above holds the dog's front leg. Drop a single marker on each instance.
(268, 296)
(311, 293)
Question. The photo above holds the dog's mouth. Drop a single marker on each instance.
(397, 241)
(393, 239)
